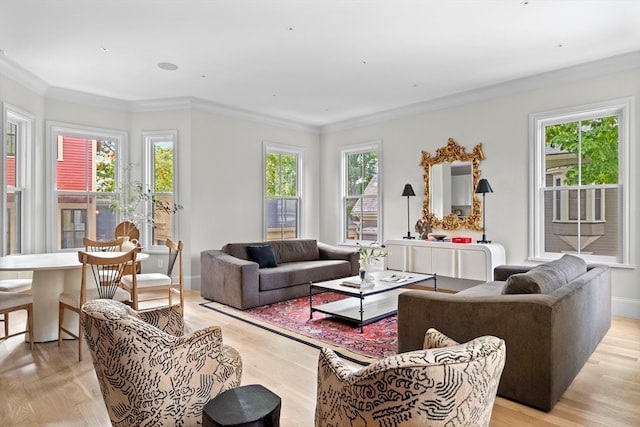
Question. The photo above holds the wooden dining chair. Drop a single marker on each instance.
(15, 301)
(114, 245)
(127, 229)
(147, 282)
(101, 275)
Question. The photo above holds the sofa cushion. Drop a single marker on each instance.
(296, 250)
(263, 255)
(547, 277)
(303, 272)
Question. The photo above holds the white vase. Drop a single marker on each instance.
(366, 270)
(128, 244)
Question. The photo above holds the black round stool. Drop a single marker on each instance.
(245, 406)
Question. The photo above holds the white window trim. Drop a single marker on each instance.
(343, 152)
(537, 122)
(54, 129)
(284, 149)
(148, 138)
(26, 147)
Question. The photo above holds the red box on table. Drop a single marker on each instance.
(461, 240)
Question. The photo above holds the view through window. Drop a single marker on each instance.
(581, 200)
(360, 202)
(160, 180)
(282, 193)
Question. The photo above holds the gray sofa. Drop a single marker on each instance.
(232, 275)
(551, 317)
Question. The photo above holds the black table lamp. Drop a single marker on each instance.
(408, 192)
(484, 188)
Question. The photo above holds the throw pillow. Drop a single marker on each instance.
(546, 278)
(263, 255)
(570, 265)
(539, 280)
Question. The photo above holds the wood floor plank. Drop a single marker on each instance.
(48, 387)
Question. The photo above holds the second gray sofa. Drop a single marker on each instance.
(233, 275)
(551, 318)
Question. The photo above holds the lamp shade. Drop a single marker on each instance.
(408, 191)
(484, 187)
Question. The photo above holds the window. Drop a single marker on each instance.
(18, 146)
(160, 178)
(84, 175)
(282, 167)
(361, 209)
(580, 183)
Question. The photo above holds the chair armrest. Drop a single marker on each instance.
(330, 365)
(435, 339)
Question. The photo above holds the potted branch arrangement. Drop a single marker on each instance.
(370, 255)
(132, 213)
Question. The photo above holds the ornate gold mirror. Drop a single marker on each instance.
(450, 179)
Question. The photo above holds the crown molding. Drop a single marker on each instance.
(213, 107)
(590, 69)
(26, 78)
(84, 98)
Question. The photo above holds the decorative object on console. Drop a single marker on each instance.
(408, 192)
(423, 229)
(438, 237)
(484, 188)
(461, 240)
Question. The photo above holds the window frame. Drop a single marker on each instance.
(24, 150)
(537, 122)
(344, 153)
(148, 140)
(55, 129)
(271, 147)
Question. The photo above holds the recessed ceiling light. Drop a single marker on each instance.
(104, 49)
(167, 66)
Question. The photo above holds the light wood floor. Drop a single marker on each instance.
(48, 387)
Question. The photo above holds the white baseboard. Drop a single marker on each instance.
(625, 307)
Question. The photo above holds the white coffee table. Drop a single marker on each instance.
(367, 304)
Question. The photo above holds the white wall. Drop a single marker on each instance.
(226, 180)
(501, 124)
(220, 161)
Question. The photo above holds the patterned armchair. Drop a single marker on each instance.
(149, 376)
(446, 384)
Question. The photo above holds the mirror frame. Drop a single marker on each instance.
(448, 154)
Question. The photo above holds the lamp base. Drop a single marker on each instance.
(483, 241)
(408, 236)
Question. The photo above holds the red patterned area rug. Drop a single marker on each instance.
(291, 318)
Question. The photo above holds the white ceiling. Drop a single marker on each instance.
(313, 62)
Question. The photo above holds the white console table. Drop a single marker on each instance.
(473, 261)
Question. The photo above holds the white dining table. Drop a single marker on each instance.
(53, 273)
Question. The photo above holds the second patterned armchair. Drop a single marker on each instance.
(151, 377)
(446, 384)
